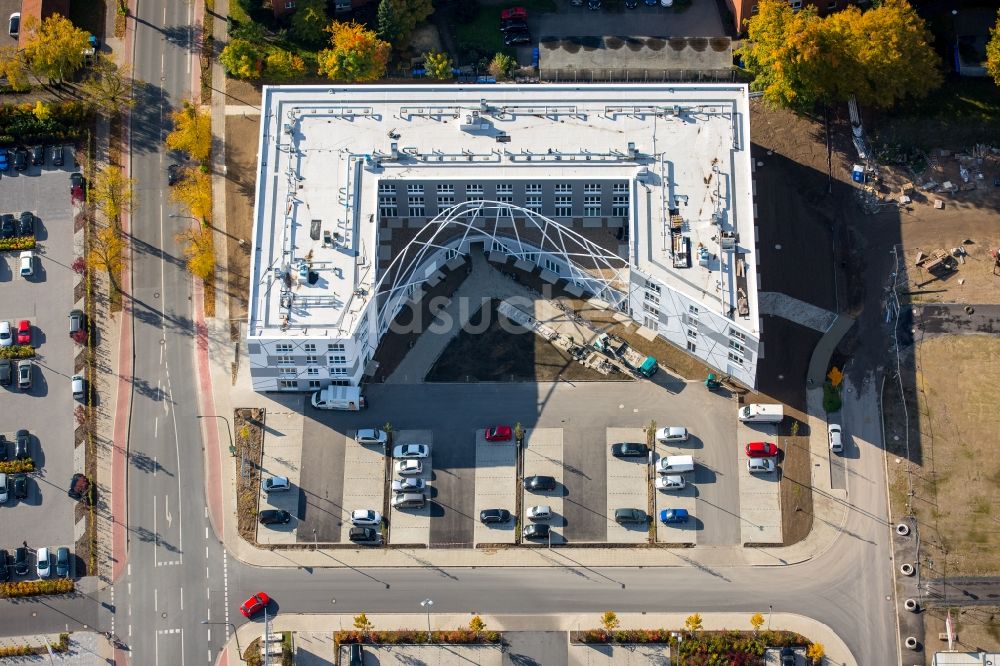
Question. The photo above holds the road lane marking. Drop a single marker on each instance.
(156, 536)
(210, 656)
(166, 509)
(156, 428)
(177, 449)
(182, 598)
(156, 601)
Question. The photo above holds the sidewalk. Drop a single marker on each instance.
(86, 648)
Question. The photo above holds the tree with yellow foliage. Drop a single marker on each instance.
(357, 54)
(194, 192)
(41, 111)
(13, 68)
(111, 193)
(815, 653)
(192, 132)
(993, 52)
(106, 253)
(756, 621)
(53, 48)
(199, 250)
(693, 622)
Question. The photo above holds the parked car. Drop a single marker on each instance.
(43, 563)
(4, 493)
(4, 565)
(7, 226)
(363, 535)
(20, 561)
(14, 24)
(276, 484)
(593, 4)
(666, 3)
(500, 433)
(6, 336)
(77, 325)
(539, 512)
(537, 483)
(25, 369)
(515, 37)
(487, 516)
(670, 482)
(24, 332)
(371, 436)
(629, 450)
(274, 517)
(62, 562)
(174, 174)
(760, 465)
(366, 517)
(761, 449)
(57, 155)
(630, 516)
(834, 435)
(22, 445)
(408, 485)
(672, 434)
(78, 384)
(75, 187)
(513, 24)
(6, 373)
(27, 263)
(26, 224)
(20, 158)
(513, 13)
(535, 531)
(409, 468)
(411, 451)
(37, 155)
(357, 655)
(19, 483)
(79, 487)
(669, 516)
(631, 4)
(650, 3)
(4, 164)
(254, 604)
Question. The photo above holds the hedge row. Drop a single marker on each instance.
(62, 645)
(34, 588)
(17, 466)
(17, 243)
(410, 636)
(17, 351)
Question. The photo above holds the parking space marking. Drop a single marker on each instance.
(413, 525)
(364, 481)
(496, 487)
(628, 487)
(760, 494)
(281, 453)
(677, 499)
(543, 456)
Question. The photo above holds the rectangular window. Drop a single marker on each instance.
(736, 346)
(288, 372)
(387, 207)
(335, 346)
(733, 333)
(619, 188)
(309, 347)
(415, 205)
(414, 188)
(619, 205)
(446, 188)
(290, 4)
(474, 198)
(336, 358)
(315, 383)
(338, 372)
(474, 189)
(692, 333)
(283, 347)
(497, 246)
(795, 4)
(691, 347)
(444, 202)
(652, 286)
(592, 188)
(311, 360)
(552, 266)
(649, 322)
(286, 360)
(564, 188)
(592, 206)
(286, 384)
(505, 188)
(652, 298)
(564, 206)
(533, 188)
(693, 309)
(340, 382)
(735, 358)
(531, 256)
(505, 199)
(386, 188)
(651, 308)
(533, 203)
(312, 372)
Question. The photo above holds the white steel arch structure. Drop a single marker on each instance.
(588, 265)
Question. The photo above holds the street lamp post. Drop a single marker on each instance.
(426, 605)
(232, 445)
(239, 650)
(770, 608)
(680, 639)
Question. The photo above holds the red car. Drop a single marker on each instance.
(762, 449)
(254, 604)
(498, 434)
(24, 332)
(519, 13)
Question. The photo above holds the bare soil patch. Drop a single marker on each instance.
(249, 424)
(976, 627)
(241, 167)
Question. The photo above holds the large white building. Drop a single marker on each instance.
(639, 195)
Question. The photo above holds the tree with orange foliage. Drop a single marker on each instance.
(357, 54)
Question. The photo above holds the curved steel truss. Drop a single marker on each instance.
(588, 265)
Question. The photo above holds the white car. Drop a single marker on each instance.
(672, 434)
(670, 482)
(3, 488)
(27, 263)
(276, 484)
(371, 436)
(760, 465)
(6, 338)
(411, 451)
(366, 517)
(540, 512)
(410, 485)
(43, 567)
(834, 434)
(409, 468)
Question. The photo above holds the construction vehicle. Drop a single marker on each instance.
(619, 350)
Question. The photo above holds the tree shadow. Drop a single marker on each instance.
(152, 104)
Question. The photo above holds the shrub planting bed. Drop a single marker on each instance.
(417, 637)
(34, 588)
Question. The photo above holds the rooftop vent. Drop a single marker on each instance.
(633, 152)
(395, 151)
(727, 241)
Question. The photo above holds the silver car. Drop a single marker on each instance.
(410, 485)
(371, 436)
(409, 468)
(540, 512)
(276, 484)
(411, 451)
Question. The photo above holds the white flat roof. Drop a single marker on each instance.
(317, 143)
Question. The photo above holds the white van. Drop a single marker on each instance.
(675, 465)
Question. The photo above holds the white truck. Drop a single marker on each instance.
(757, 413)
(339, 397)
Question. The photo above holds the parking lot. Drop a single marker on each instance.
(628, 487)
(412, 525)
(760, 494)
(47, 516)
(496, 487)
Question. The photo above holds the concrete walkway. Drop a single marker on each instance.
(793, 309)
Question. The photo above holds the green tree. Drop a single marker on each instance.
(502, 66)
(109, 86)
(357, 54)
(282, 64)
(438, 66)
(993, 52)
(242, 59)
(53, 47)
(192, 132)
(388, 25)
(309, 21)
(408, 14)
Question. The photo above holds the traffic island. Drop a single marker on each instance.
(249, 426)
